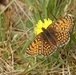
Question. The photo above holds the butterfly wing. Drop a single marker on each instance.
(64, 24)
(41, 45)
(35, 46)
(61, 29)
(47, 46)
(62, 38)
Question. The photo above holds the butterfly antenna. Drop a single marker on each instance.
(54, 16)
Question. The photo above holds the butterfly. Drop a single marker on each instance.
(56, 35)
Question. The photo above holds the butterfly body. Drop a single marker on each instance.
(50, 36)
(56, 35)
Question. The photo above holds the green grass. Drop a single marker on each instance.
(17, 21)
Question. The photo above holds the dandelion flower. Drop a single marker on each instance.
(40, 25)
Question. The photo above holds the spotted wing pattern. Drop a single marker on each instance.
(35, 47)
(62, 38)
(59, 30)
(47, 46)
(64, 24)
(41, 45)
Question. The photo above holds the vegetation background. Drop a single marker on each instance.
(17, 20)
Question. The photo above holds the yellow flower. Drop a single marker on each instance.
(31, 8)
(40, 25)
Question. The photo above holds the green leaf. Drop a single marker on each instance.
(29, 24)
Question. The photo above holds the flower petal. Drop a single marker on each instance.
(40, 24)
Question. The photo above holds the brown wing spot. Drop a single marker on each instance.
(35, 46)
(64, 24)
(62, 38)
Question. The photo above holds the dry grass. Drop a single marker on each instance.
(17, 19)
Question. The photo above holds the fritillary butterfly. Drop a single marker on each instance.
(56, 35)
